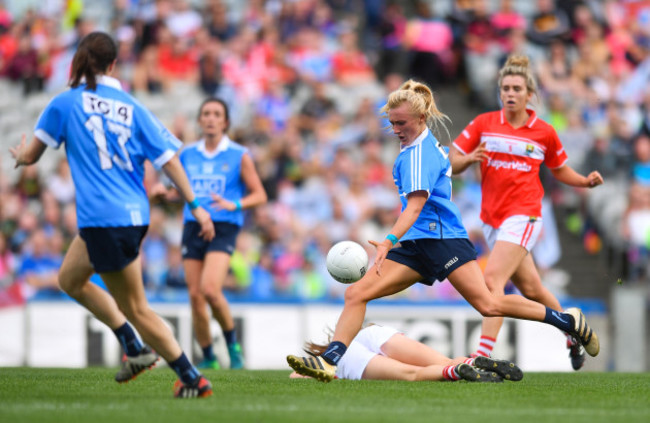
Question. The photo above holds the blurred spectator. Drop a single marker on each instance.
(645, 108)
(391, 28)
(641, 167)
(600, 157)
(505, 20)
(7, 263)
(262, 280)
(548, 23)
(636, 231)
(183, 21)
(316, 108)
(28, 223)
(154, 250)
(309, 56)
(29, 184)
(218, 22)
(307, 283)
(243, 260)
(210, 67)
(482, 52)
(555, 73)
(428, 40)
(244, 67)
(39, 265)
(149, 21)
(50, 214)
(580, 16)
(60, 183)
(556, 115)
(576, 138)
(174, 276)
(8, 39)
(350, 66)
(275, 106)
(147, 76)
(176, 59)
(459, 17)
(25, 66)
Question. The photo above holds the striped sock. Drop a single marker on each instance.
(334, 352)
(469, 361)
(187, 373)
(485, 346)
(128, 339)
(450, 373)
(562, 321)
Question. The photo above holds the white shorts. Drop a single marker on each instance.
(362, 349)
(521, 230)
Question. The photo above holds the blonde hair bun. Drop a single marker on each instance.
(517, 60)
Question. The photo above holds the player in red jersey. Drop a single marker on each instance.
(511, 144)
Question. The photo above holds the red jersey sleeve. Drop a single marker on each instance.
(470, 137)
(556, 156)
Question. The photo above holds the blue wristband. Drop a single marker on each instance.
(237, 205)
(392, 238)
(193, 204)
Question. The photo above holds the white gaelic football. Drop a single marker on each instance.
(347, 261)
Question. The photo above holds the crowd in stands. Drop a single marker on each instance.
(304, 80)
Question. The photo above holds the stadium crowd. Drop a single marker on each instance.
(304, 80)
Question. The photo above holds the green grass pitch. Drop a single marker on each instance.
(91, 396)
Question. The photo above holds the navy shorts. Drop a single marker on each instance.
(112, 249)
(434, 259)
(195, 247)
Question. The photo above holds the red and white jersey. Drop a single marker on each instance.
(510, 182)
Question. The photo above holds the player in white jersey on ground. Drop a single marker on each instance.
(384, 353)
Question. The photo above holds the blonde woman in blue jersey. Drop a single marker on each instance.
(223, 176)
(108, 135)
(433, 242)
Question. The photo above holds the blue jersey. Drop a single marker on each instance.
(215, 172)
(424, 166)
(108, 135)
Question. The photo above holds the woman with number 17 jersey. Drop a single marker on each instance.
(108, 136)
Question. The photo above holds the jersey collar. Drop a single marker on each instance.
(417, 141)
(109, 81)
(532, 118)
(223, 146)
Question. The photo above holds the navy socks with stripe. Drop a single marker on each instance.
(128, 339)
(186, 372)
(334, 352)
(562, 321)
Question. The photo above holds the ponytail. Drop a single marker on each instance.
(421, 100)
(96, 52)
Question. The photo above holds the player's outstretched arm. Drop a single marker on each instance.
(27, 154)
(567, 175)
